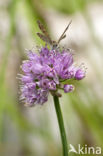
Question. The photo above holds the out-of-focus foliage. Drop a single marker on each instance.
(68, 6)
(34, 131)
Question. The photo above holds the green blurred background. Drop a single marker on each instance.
(34, 131)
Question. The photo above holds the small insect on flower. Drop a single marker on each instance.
(48, 71)
(45, 36)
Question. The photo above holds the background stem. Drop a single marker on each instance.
(61, 125)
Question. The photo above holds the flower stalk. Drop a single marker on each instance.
(61, 126)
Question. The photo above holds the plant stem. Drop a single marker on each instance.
(61, 125)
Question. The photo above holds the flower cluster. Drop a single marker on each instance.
(47, 72)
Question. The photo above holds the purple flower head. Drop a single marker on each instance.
(46, 73)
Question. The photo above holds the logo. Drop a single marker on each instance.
(84, 149)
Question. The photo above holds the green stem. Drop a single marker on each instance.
(61, 125)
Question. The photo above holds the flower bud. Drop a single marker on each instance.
(80, 74)
(68, 88)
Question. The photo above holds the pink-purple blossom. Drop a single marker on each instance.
(68, 88)
(46, 73)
